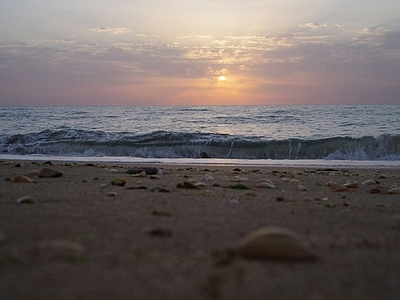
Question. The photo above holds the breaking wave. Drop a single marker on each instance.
(163, 144)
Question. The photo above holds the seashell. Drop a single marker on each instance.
(33, 173)
(395, 190)
(192, 180)
(26, 200)
(186, 185)
(200, 184)
(112, 194)
(351, 184)
(274, 243)
(119, 181)
(21, 179)
(285, 179)
(49, 173)
(155, 177)
(264, 184)
(239, 178)
(341, 189)
(303, 188)
(382, 176)
(160, 189)
(113, 171)
(295, 181)
(369, 182)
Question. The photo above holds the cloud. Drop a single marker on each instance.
(314, 25)
(119, 30)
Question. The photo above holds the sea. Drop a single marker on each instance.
(358, 135)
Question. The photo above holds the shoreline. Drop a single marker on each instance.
(88, 237)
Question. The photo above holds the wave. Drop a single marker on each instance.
(163, 144)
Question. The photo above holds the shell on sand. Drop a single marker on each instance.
(274, 243)
(21, 178)
(303, 188)
(395, 190)
(266, 183)
(351, 184)
(295, 181)
(369, 182)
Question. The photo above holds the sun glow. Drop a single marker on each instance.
(221, 78)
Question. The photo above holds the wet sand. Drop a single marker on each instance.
(86, 237)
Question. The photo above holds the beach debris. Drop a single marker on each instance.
(375, 190)
(149, 171)
(303, 188)
(394, 190)
(112, 194)
(396, 222)
(369, 182)
(160, 189)
(239, 186)
(163, 232)
(274, 243)
(34, 172)
(26, 200)
(351, 184)
(120, 181)
(187, 185)
(49, 173)
(21, 179)
(161, 213)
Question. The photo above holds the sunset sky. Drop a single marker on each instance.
(199, 52)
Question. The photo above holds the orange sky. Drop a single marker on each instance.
(199, 52)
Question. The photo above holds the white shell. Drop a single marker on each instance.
(369, 182)
(303, 188)
(394, 191)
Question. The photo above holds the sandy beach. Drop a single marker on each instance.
(96, 232)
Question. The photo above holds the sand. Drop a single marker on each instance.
(85, 238)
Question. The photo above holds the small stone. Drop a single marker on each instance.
(274, 243)
(234, 202)
(186, 185)
(161, 213)
(26, 200)
(375, 190)
(396, 222)
(295, 181)
(112, 194)
(285, 179)
(160, 189)
(159, 232)
(21, 179)
(49, 173)
(267, 185)
(395, 190)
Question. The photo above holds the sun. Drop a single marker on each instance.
(221, 78)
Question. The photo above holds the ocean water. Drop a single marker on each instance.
(339, 133)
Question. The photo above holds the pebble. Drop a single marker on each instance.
(396, 222)
(26, 200)
(21, 179)
(341, 189)
(49, 173)
(274, 243)
(295, 181)
(395, 190)
(160, 189)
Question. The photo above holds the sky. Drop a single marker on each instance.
(199, 52)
